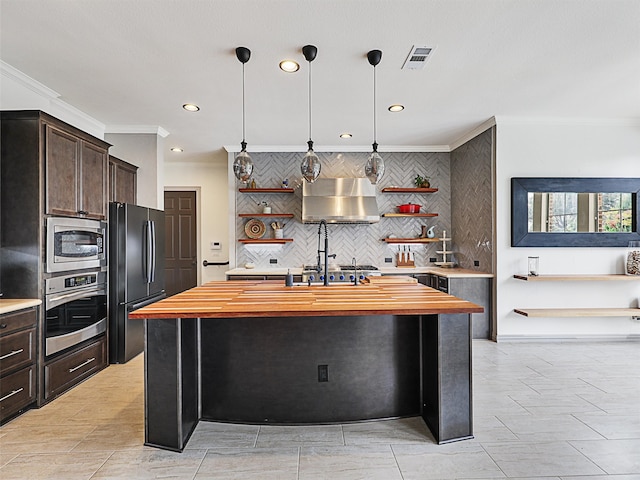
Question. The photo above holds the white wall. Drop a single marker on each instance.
(209, 181)
(539, 149)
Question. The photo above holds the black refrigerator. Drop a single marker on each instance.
(136, 274)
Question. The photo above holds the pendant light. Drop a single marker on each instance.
(374, 169)
(243, 165)
(310, 166)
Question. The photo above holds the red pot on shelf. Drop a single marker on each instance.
(409, 208)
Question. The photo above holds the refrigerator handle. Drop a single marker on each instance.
(153, 251)
(148, 252)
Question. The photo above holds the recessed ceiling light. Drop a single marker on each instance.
(289, 66)
(177, 149)
(396, 108)
(190, 107)
(345, 135)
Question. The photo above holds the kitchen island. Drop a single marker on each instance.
(260, 352)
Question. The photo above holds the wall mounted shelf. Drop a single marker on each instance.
(408, 190)
(271, 215)
(578, 277)
(265, 190)
(410, 240)
(396, 215)
(578, 312)
(265, 240)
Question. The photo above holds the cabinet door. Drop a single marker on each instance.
(62, 171)
(93, 184)
(122, 181)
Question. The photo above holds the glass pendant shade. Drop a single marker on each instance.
(310, 166)
(243, 166)
(374, 169)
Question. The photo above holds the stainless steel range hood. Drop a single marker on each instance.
(339, 200)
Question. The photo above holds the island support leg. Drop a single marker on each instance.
(447, 405)
(171, 401)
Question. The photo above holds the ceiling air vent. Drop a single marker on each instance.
(417, 57)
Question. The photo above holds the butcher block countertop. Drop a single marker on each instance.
(271, 298)
(8, 305)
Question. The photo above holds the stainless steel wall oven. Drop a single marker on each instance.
(74, 244)
(76, 309)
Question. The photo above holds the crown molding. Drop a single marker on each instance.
(16, 75)
(569, 121)
(138, 129)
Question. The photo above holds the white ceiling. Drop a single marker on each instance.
(135, 62)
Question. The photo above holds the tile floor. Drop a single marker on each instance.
(546, 410)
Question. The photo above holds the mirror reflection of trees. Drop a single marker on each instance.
(567, 212)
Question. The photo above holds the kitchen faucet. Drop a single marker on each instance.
(355, 271)
(325, 251)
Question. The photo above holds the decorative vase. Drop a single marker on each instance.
(632, 265)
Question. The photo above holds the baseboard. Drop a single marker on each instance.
(568, 338)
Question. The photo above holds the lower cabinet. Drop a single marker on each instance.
(17, 362)
(69, 370)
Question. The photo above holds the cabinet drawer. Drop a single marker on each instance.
(11, 322)
(17, 391)
(17, 350)
(65, 372)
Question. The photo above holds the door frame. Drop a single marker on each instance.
(198, 193)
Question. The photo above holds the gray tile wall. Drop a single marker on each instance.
(347, 241)
(471, 202)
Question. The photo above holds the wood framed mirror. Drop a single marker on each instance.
(574, 212)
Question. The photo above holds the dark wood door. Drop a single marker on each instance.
(62, 159)
(180, 241)
(93, 175)
(122, 181)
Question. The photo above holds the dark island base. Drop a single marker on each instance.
(267, 370)
(272, 371)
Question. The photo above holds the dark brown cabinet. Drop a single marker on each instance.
(76, 174)
(122, 181)
(17, 361)
(68, 370)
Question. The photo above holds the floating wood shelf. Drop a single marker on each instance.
(578, 277)
(272, 215)
(409, 215)
(411, 240)
(265, 240)
(265, 190)
(408, 190)
(578, 312)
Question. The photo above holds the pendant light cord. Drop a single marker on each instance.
(243, 109)
(309, 100)
(374, 105)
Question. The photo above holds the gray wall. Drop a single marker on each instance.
(472, 201)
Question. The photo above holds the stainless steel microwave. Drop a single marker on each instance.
(75, 244)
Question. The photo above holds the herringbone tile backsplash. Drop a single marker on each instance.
(471, 202)
(364, 242)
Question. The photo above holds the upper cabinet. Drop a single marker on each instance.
(75, 173)
(122, 181)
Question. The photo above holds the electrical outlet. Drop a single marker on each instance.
(388, 259)
(273, 261)
(323, 373)
(433, 259)
(476, 263)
